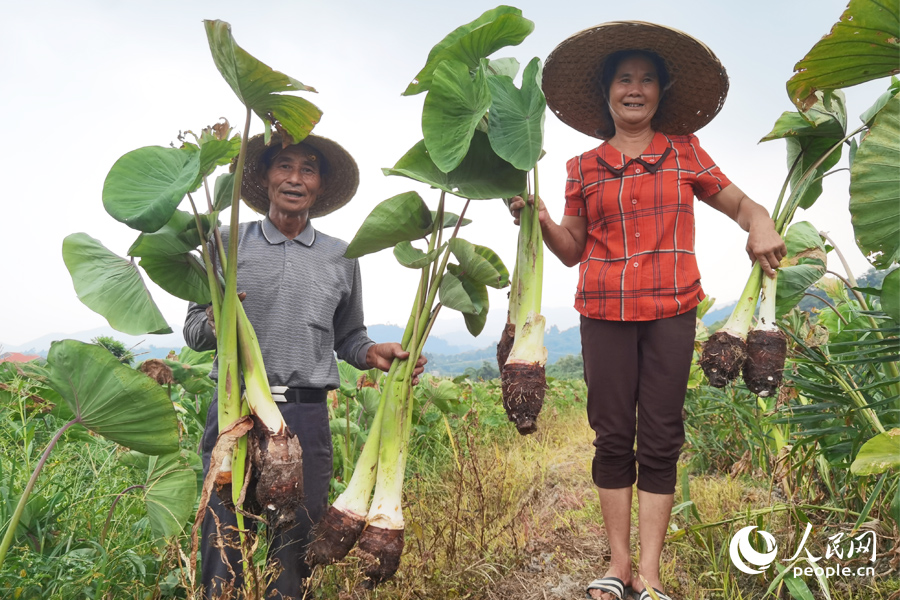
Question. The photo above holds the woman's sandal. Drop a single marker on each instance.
(610, 585)
(645, 595)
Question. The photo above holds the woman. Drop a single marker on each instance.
(628, 222)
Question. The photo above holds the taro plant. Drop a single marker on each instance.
(464, 155)
(143, 190)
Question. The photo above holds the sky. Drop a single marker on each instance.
(86, 82)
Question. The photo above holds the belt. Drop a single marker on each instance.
(281, 393)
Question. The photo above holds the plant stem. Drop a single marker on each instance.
(112, 509)
(23, 499)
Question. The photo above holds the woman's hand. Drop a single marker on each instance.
(565, 240)
(765, 245)
(517, 203)
(381, 356)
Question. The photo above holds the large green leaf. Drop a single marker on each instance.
(145, 186)
(476, 294)
(479, 263)
(183, 276)
(443, 393)
(495, 29)
(450, 219)
(875, 188)
(191, 370)
(861, 46)
(171, 491)
(112, 399)
(879, 454)
(224, 191)
(453, 107)
(454, 295)
(809, 135)
(176, 237)
(503, 66)
(516, 121)
(868, 117)
(412, 258)
(890, 295)
(803, 266)
(481, 175)
(111, 286)
(257, 84)
(403, 218)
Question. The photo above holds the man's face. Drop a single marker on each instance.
(293, 181)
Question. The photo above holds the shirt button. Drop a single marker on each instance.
(638, 234)
(635, 264)
(634, 200)
(288, 263)
(638, 170)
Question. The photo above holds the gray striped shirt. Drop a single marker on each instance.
(303, 298)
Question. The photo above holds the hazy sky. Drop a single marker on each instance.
(85, 82)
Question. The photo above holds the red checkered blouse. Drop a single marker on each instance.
(638, 263)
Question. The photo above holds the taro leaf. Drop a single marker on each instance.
(348, 376)
(477, 294)
(145, 186)
(810, 135)
(881, 453)
(443, 393)
(369, 398)
(875, 188)
(503, 66)
(411, 257)
(804, 265)
(183, 276)
(890, 295)
(174, 238)
(479, 263)
(256, 84)
(861, 46)
(453, 107)
(170, 492)
(112, 399)
(403, 218)
(339, 426)
(516, 120)
(216, 153)
(481, 175)
(111, 286)
(454, 295)
(224, 191)
(868, 117)
(450, 219)
(495, 29)
(194, 378)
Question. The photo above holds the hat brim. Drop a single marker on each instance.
(571, 82)
(339, 184)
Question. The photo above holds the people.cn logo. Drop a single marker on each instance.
(743, 554)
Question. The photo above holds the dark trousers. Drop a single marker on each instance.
(310, 423)
(637, 374)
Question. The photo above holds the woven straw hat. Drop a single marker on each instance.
(572, 72)
(339, 182)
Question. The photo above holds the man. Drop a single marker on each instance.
(305, 302)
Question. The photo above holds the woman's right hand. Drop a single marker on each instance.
(517, 203)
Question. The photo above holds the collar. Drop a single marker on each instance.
(274, 236)
(615, 162)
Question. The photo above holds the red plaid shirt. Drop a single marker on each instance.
(638, 262)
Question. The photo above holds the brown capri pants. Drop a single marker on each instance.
(637, 374)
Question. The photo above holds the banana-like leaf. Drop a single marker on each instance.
(802, 267)
(145, 186)
(111, 286)
(875, 188)
(481, 175)
(809, 135)
(112, 399)
(170, 492)
(495, 29)
(453, 107)
(183, 276)
(879, 454)
(890, 295)
(479, 263)
(516, 120)
(412, 258)
(403, 218)
(257, 85)
(499, 67)
(224, 191)
(861, 46)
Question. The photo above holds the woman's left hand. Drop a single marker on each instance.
(765, 245)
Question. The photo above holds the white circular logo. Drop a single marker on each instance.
(743, 553)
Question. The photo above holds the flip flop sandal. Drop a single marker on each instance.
(610, 585)
(645, 595)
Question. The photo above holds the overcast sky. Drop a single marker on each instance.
(85, 82)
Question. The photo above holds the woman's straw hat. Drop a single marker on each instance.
(339, 182)
(571, 83)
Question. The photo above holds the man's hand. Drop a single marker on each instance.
(211, 316)
(382, 355)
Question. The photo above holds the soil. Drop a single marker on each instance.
(334, 536)
(766, 351)
(504, 346)
(722, 358)
(523, 394)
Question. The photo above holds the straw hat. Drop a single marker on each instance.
(572, 72)
(339, 182)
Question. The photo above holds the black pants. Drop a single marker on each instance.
(310, 423)
(637, 374)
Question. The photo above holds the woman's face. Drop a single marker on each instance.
(634, 93)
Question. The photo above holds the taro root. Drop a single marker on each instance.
(278, 473)
(523, 376)
(722, 358)
(379, 551)
(333, 537)
(763, 369)
(504, 346)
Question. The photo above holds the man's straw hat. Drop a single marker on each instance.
(339, 182)
(571, 80)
